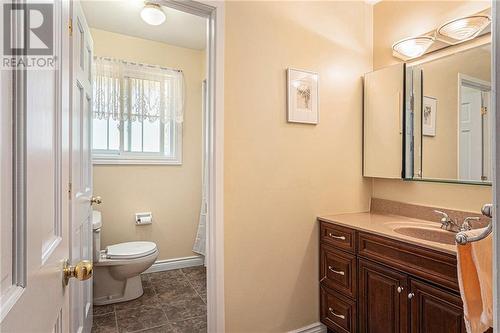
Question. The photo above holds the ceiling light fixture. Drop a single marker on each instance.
(464, 28)
(153, 14)
(413, 47)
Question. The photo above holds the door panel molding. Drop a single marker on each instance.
(19, 176)
(55, 238)
(19, 251)
(496, 165)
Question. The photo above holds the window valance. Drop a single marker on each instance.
(128, 91)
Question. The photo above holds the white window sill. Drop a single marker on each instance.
(101, 160)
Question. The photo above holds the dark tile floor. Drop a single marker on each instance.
(173, 302)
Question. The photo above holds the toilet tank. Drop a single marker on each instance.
(96, 234)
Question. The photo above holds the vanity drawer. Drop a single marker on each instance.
(337, 236)
(434, 266)
(337, 311)
(338, 271)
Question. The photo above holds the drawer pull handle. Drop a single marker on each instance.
(400, 289)
(336, 237)
(336, 315)
(336, 272)
(411, 295)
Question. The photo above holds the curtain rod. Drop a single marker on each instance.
(139, 64)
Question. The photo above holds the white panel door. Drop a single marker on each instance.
(81, 172)
(34, 298)
(470, 155)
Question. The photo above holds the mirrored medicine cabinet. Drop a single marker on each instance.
(430, 120)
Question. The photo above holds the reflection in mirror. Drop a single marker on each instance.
(448, 123)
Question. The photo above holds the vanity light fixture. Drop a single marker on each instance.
(153, 14)
(413, 47)
(464, 28)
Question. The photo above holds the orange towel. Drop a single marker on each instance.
(474, 279)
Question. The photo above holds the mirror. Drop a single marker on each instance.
(448, 121)
(383, 99)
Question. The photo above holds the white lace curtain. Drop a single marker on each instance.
(129, 91)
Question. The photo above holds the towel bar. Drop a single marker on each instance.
(462, 238)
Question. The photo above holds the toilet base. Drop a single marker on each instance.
(122, 291)
(120, 280)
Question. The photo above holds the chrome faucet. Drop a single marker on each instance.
(447, 223)
(466, 225)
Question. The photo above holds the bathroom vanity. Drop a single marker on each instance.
(377, 276)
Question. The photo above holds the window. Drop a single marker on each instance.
(137, 113)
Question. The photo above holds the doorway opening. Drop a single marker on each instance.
(153, 151)
(150, 138)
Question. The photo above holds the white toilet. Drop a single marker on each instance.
(117, 269)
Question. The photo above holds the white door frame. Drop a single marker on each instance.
(484, 86)
(496, 158)
(214, 12)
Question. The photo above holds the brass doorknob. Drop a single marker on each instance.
(95, 200)
(82, 271)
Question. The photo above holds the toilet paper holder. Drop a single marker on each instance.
(143, 218)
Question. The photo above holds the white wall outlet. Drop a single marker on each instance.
(143, 218)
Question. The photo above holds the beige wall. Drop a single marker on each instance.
(394, 20)
(171, 193)
(280, 176)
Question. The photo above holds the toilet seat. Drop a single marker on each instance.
(130, 250)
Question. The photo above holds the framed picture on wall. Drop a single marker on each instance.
(302, 96)
(429, 109)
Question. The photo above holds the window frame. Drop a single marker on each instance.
(122, 156)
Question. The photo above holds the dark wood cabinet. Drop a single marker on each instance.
(340, 237)
(338, 312)
(338, 270)
(434, 310)
(382, 299)
(374, 284)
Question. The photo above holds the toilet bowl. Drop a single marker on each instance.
(117, 268)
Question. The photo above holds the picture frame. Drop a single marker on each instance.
(302, 96)
(429, 109)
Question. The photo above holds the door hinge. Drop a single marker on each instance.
(484, 110)
(70, 189)
(70, 27)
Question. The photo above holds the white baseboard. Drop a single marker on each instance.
(176, 263)
(313, 328)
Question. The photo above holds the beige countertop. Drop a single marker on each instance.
(385, 225)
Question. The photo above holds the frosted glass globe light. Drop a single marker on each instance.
(413, 47)
(464, 28)
(153, 14)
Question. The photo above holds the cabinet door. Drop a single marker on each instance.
(382, 122)
(382, 299)
(434, 310)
